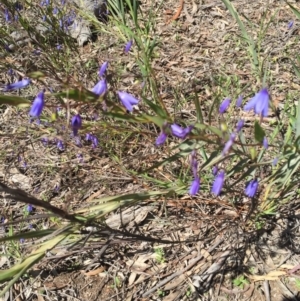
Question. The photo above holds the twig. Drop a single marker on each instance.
(267, 290)
(192, 263)
(176, 16)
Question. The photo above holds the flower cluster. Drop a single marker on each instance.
(260, 104)
(175, 129)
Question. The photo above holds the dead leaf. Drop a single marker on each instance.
(93, 272)
(273, 275)
(175, 283)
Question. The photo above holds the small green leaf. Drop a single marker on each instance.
(81, 94)
(14, 101)
(259, 133)
(36, 75)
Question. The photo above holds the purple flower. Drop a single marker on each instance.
(224, 105)
(29, 208)
(275, 161)
(37, 105)
(228, 144)
(45, 141)
(239, 125)
(76, 124)
(251, 188)
(161, 139)
(55, 10)
(59, 47)
(128, 100)
(290, 25)
(218, 183)
(239, 101)
(88, 137)
(195, 186)
(10, 72)
(100, 88)
(180, 132)
(103, 68)
(260, 103)
(18, 85)
(128, 46)
(60, 145)
(95, 141)
(18, 6)
(56, 187)
(215, 170)
(80, 158)
(22, 240)
(37, 51)
(7, 15)
(265, 143)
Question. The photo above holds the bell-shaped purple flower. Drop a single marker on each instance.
(251, 188)
(37, 105)
(128, 100)
(76, 124)
(100, 88)
(60, 145)
(7, 15)
(18, 85)
(95, 141)
(275, 161)
(103, 68)
(195, 186)
(218, 183)
(128, 46)
(224, 105)
(265, 143)
(239, 125)
(180, 132)
(88, 137)
(161, 139)
(239, 101)
(260, 103)
(290, 25)
(215, 170)
(228, 144)
(29, 208)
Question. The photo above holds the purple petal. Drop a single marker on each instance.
(127, 100)
(37, 105)
(228, 144)
(18, 85)
(128, 46)
(251, 188)
(180, 132)
(103, 69)
(239, 125)
(265, 142)
(161, 139)
(76, 124)
(215, 170)
(218, 183)
(260, 103)
(100, 88)
(239, 101)
(195, 186)
(224, 105)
